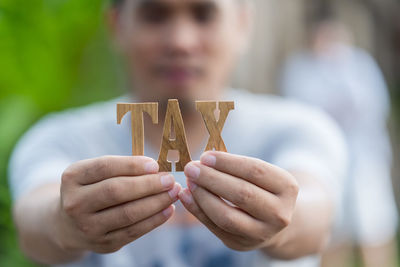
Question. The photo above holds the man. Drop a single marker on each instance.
(73, 204)
(347, 83)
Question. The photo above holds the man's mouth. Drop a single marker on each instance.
(177, 74)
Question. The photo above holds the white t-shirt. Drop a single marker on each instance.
(278, 131)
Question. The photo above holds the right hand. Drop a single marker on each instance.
(110, 201)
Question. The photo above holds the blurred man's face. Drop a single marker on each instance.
(182, 49)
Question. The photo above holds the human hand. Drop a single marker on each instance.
(260, 199)
(110, 201)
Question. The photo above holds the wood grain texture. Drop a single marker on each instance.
(137, 110)
(214, 127)
(173, 118)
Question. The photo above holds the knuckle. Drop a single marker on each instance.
(235, 246)
(102, 164)
(244, 194)
(103, 241)
(68, 175)
(258, 171)
(128, 215)
(262, 234)
(132, 233)
(260, 238)
(100, 250)
(105, 245)
(294, 186)
(283, 219)
(227, 222)
(65, 246)
(95, 230)
(114, 248)
(133, 164)
(111, 191)
(70, 206)
(256, 239)
(267, 232)
(85, 227)
(240, 244)
(270, 235)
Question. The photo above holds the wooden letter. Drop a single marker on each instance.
(137, 122)
(214, 127)
(173, 117)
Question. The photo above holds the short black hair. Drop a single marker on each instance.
(117, 2)
(120, 2)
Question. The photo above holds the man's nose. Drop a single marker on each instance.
(181, 37)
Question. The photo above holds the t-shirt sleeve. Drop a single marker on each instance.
(40, 157)
(314, 144)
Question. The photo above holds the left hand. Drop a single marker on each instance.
(244, 201)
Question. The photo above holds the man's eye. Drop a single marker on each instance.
(155, 15)
(204, 14)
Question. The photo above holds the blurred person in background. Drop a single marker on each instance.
(76, 206)
(346, 82)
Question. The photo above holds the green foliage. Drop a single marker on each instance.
(53, 54)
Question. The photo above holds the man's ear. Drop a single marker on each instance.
(245, 26)
(112, 17)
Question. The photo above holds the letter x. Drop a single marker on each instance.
(214, 127)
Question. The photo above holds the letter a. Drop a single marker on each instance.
(206, 108)
(173, 115)
(137, 122)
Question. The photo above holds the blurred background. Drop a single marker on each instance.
(55, 54)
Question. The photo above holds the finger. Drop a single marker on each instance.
(256, 171)
(133, 232)
(188, 202)
(118, 190)
(251, 198)
(94, 170)
(133, 212)
(229, 218)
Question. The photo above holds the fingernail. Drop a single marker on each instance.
(192, 186)
(167, 180)
(173, 193)
(168, 211)
(192, 171)
(208, 159)
(151, 167)
(186, 196)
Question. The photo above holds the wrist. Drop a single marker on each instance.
(62, 234)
